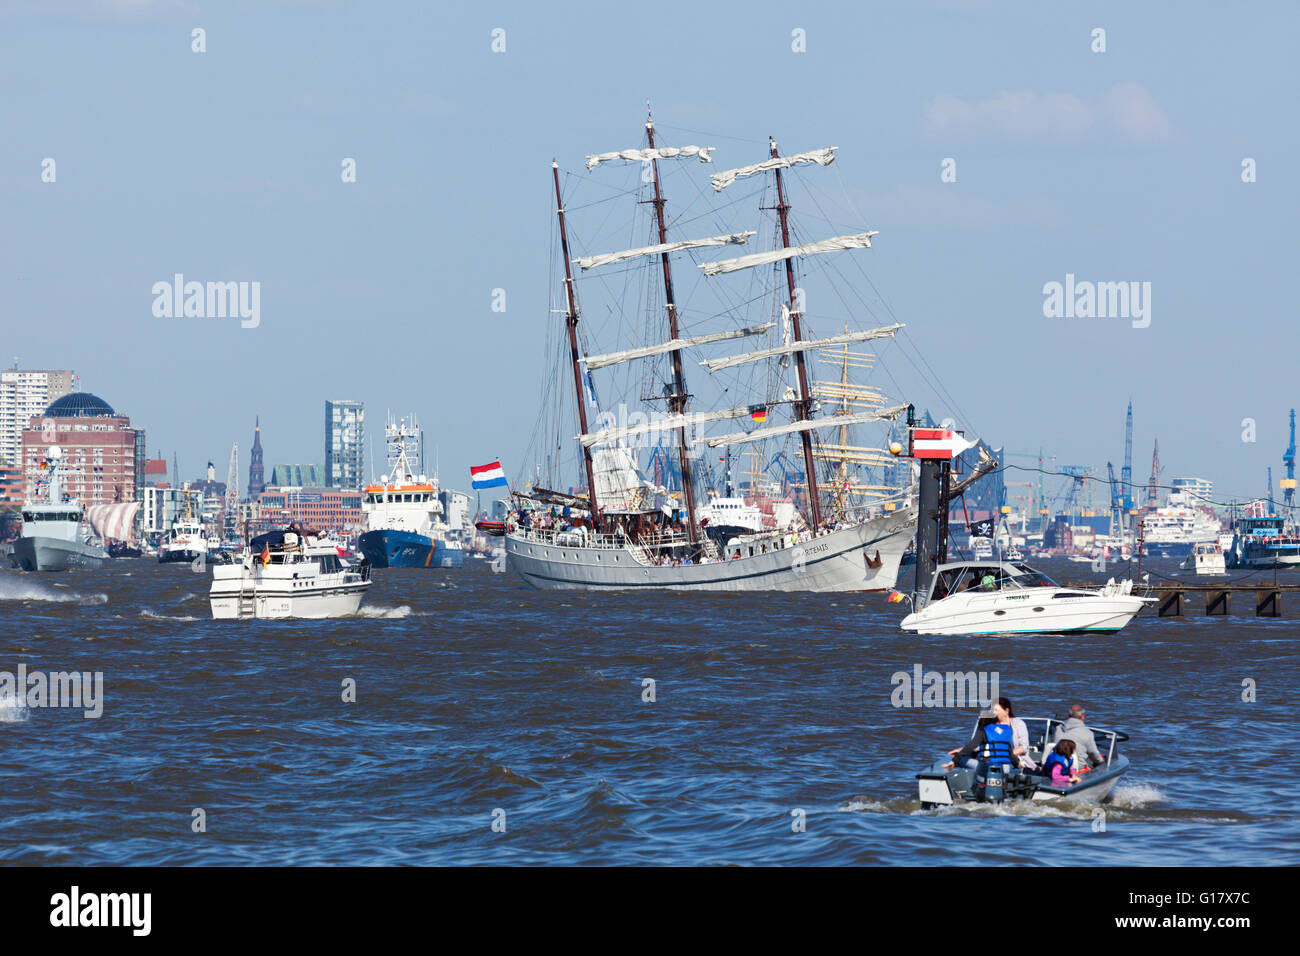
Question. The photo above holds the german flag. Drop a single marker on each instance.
(759, 415)
(266, 555)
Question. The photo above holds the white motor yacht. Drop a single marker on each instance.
(992, 597)
(288, 574)
(1206, 559)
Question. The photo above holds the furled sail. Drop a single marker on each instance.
(787, 348)
(114, 521)
(735, 239)
(823, 157)
(833, 421)
(620, 486)
(607, 436)
(672, 345)
(645, 155)
(860, 240)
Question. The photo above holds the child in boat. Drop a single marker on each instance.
(1059, 764)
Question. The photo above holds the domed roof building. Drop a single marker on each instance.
(78, 405)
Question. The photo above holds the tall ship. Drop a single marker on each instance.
(51, 538)
(404, 515)
(1174, 530)
(615, 527)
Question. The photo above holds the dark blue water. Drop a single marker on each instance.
(476, 694)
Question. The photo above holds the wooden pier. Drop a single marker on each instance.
(1176, 599)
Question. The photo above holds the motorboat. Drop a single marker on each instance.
(288, 574)
(1005, 597)
(1205, 559)
(940, 785)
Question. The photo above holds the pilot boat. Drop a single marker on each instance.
(993, 783)
(992, 597)
(288, 574)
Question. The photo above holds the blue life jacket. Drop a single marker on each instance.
(1054, 759)
(998, 744)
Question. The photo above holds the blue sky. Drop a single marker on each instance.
(225, 165)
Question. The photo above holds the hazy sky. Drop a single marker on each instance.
(225, 166)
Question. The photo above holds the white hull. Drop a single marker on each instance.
(282, 607)
(297, 589)
(864, 557)
(1014, 613)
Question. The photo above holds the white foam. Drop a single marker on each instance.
(1134, 795)
(154, 615)
(379, 611)
(23, 589)
(12, 710)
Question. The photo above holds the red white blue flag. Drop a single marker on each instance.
(490, 475)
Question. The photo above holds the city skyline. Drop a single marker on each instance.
(1071, 166)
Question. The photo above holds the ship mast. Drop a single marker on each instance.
(802, 406)
(571, 320)
(676, 401)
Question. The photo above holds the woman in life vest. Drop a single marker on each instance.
(993, 742)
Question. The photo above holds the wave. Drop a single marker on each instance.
(24, 590)
(385, 613)
(12, 710)
(153, 615)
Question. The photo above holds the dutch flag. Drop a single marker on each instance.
(490, 475)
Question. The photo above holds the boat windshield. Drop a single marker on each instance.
(1027, 577)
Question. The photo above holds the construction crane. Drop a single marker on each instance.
(1078, 474)
(231, 520)
(1116, 505)
(1153, 496)
(1288, 483)
(1040, 500)
(1126, 475)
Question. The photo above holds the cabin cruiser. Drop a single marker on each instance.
(995, 783)
(1005, 597)
(51, 536)
(1205, 559)
(288, 574)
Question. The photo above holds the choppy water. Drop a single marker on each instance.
(475, 693)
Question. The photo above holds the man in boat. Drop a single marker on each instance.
(1085, 745)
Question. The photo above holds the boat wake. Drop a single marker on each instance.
(384, 613)
(20, 590)
(12, 710)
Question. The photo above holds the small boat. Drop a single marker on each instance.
(994, 783)
(1015, 554)
(991, 597)
(288, 574)
(1205, 559)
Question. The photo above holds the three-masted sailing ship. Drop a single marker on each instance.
(616, 528)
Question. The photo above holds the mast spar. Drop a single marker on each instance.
(676, 401)
(803, 406)
(571, 320)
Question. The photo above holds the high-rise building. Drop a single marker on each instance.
(345, 434)
(103, 456)
(24, 393)
(256, 479)
(1200, 490)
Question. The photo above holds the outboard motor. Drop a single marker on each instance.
(990, 782)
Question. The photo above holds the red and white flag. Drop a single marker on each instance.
(938, 443)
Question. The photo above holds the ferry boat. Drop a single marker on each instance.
(403, 514)
(51, 536)
(623, 530)
(1262, 542)
(288, 574)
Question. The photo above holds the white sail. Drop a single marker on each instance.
(645, 155)
(620, 486)
(807, 345)
(735, 239)
(672, 345)
(113, 521)
(860, 240)
(834, 421)
(823, 157)
(668, 423)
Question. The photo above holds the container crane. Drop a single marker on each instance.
(1288, 483)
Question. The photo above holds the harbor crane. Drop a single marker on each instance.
(1126, 474)
(1116, 505)
(1288, 483)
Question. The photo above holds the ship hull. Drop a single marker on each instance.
(863, 557)
(388, 548)
(54, 554)
(179, 555)
(1168, 549)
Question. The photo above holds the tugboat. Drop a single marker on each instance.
(994, 783)
(51, 539)
(293, 573)
(186, 540)
(404, 526)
